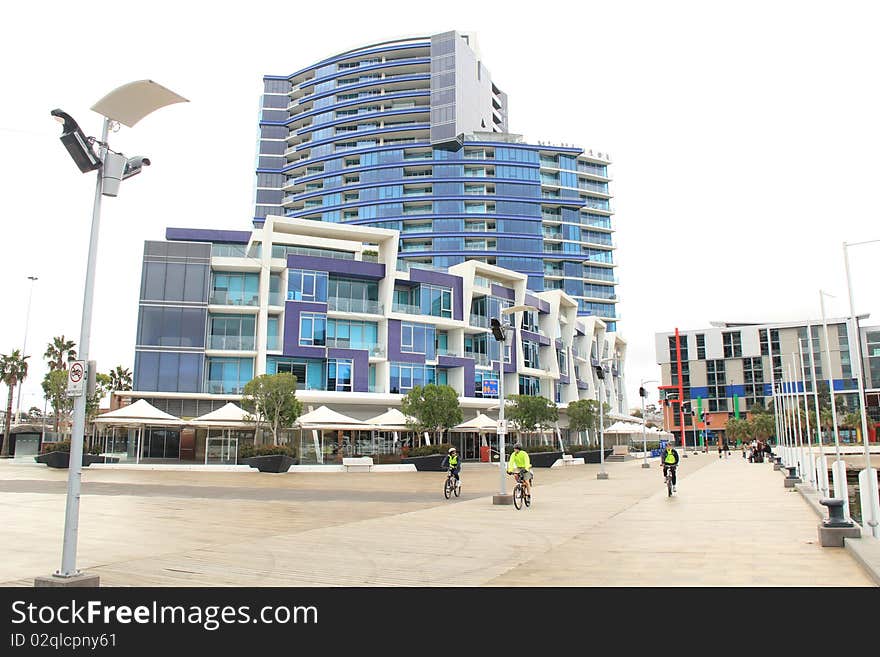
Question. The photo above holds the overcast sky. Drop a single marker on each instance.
(744, 140)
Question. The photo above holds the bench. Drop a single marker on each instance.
(357, 463)
(567, 459)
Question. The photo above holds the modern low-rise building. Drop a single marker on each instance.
(725, 369)
(331, 304)
(413, 135)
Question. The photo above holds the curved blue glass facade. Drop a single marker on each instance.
(412, 135)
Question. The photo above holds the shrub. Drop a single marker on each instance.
(571, 449)
(60, 446)
(381, 459)
(535, 449)
(247, 451)
(427, 450)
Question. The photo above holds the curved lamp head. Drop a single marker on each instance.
(131, 102)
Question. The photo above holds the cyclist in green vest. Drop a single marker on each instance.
(519, 460)
(669, 459)
(453, 462)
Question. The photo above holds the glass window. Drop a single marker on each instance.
(305, 285)
(312, 329)
(228, 375)
(339, 374)
(418, 339)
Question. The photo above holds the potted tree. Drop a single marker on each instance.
(583, 416)
(57, 455)
(271, 399)
(431, 408)
(533, 414)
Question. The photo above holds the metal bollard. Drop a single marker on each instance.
(791, 478)
(837, 527)
(835, 513)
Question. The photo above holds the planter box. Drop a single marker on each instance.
(591, 455)
(544, 459)
(270, 462)
(429, 463)
(62, 459)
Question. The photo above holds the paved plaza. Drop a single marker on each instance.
(732, 523)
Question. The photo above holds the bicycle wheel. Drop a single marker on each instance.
(518, 496)
(527, 498)
(447, 487)
(457, 488)
(669, 486)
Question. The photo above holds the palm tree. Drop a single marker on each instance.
(13, 370)
(120, 378)
(853, 420)
(59, 352)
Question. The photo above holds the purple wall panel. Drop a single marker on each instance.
(352, 268)
(502, 292)
(447, 280)
(394, 353)
(292, 310)
(361, 362)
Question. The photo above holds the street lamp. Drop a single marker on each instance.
(501, 331)
(838, 469)
(27, 322)
(868, 476)
(127, 105)
(600, 374)
(644, 393)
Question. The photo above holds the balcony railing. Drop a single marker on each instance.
(407, 308)
(224, 387)
(343, 304)
(479, 359)
(479, 320)
(231, 342)
(448, 352)
(376, 350)
(224, 298)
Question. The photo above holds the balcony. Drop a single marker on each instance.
(231, 342)
(448, 352)
(479, 359)
(276, 299)
(224, 387)
(376, 350)
(406, 308)
(479, 320)
(226, 298)
(342, 304)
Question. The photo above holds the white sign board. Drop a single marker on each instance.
(76, 378)
(502, 427)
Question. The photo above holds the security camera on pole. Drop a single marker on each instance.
(126, 105)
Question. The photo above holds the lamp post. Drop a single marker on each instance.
(501, 331)
(838, 469)
(644, 393)
(822, 462)
(600, 374)
(27, 322)
(868, 476)
(127, 105)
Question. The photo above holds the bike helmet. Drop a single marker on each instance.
(451, 450)
(518, 446)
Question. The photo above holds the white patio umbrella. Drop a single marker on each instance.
(326, 418)
(226, 418)
(138, 415)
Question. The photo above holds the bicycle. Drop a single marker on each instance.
(451, 485)
(670, 470)
(520, 493)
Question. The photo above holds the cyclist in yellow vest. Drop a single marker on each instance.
(669, 458)
(452, 461)
(519, 461)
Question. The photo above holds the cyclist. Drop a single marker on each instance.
(669, 457)
(452, 461)
(519, 460)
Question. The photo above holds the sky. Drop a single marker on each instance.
(743, 138)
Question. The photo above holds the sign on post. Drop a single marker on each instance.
(76, 378)
(502, 427)
(490, 387)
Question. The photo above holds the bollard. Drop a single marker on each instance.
(791, 478)
(777, 463)
(837, 527)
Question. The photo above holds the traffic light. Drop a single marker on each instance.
(600, 373)
(686, 407)
(642, 392)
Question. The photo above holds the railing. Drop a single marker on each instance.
(479, 320)
(421, 246)
(406, 308)
(553, 235)
(221, 298)
(448, 352)
(602, 188)
(485, 246)
(276, 299)
(346, 305)
(231, 342)
(375, 350)
(479, 359)
(224, 388)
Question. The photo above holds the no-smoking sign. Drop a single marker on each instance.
(75, 378)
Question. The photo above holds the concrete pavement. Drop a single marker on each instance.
(732, 523)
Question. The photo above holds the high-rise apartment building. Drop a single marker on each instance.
(413, 135)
